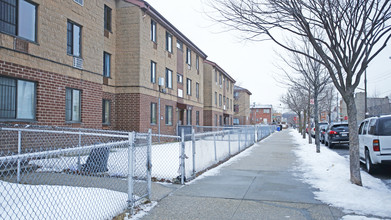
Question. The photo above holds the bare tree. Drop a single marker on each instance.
(347, 35)
(327, 100)
(294, 99)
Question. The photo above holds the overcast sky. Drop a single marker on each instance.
(251, 64)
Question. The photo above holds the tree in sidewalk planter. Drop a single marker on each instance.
(346, 34)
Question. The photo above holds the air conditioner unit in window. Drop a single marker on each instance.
(80, 2)
(78, 62)
(225, 108)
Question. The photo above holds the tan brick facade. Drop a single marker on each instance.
(129, 88)
(218, 95)
(241, 106)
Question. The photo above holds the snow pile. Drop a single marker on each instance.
(329, 172)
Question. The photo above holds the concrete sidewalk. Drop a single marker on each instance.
(262, 185)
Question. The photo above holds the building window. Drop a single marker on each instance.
(107, 18)
(220, 101)
(266, 111)
(197, 62)
(73, 39)
(169, 78)
(106, 111)
(153, 72)
(220, 79)
(168, 42)
(188, 56)
(17, 99)
(188, 117)
(106, 64)
(153, 31)
(18, 18)
(216, 98)
(223, 100)
(179, 78)
(216, 77)
(236, 108)
(227, 103)
(188, 86)
(236, 121)
(153, 113)
(197, 118)
(168, 115)
(197, 90)
(221, 120)
(216, 123)
(236, 95)
(72, 105)
(179, 45)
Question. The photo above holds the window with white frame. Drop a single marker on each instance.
(153, 31)
(72, 105)
(73, 39)
(17, 99)
(188, 56)
(197, 90)
(168, 42)
(266, 111)
(179, 78)
(197, 62)
(188, 86)
(106, 111)
(19, 18)
(153, 113)
(153, 72)
(220, 100)
(168, 115)
(179, 45)
(169, 78)
(106, 64)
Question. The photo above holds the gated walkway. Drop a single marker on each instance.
(261, 185)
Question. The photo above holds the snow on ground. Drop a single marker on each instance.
(59, 202)
(330, 174)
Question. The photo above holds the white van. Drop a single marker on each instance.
(375, 141)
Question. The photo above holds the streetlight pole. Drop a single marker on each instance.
(158, 123)
(366, 94)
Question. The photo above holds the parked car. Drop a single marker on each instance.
(375, 141)
(322, 132)
(337, 133)
(320, 124)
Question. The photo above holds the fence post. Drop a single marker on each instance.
(19, 152)
(149, 163)
(255, 134)
(245, 138)
(130, 171)
(78, 157)
(194, 149)
(214, 141)
(183, 157)
(239, 133)
(229, 142)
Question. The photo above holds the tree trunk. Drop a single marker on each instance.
(355, 175)
(300, 125)
(305, 117)
(316, 118)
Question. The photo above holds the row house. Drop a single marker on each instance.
(97, 64)
(241, 106)
(218, 95)
(262, 114)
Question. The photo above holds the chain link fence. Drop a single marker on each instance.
(53, 172)
(65, 173)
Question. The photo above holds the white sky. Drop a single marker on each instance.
(251, 64)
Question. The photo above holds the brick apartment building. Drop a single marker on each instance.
(97, 64)
(241, 106)
(218, 95)
(261, 114)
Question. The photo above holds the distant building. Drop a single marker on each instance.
(241, 106)
(376, 106)
(261, 114)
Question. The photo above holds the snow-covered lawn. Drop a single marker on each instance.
(58, 202)
(329, 173)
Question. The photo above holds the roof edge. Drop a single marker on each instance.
(220, 69)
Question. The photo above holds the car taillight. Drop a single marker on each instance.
(376, 145)
(333, 132)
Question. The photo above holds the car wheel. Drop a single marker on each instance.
(368, 162)
(331, 145)
(327, 143)
(322, 141)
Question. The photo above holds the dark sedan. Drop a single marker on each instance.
(337, 133)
